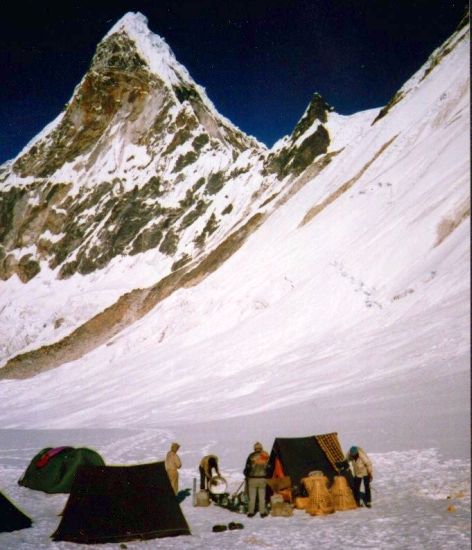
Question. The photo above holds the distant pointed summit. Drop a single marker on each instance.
(309, 139)
(151, 47)
(317, 110)
(130, 22)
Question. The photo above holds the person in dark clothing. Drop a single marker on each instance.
(208, 468)
(256, 472)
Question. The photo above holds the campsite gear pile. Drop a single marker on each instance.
(235, 503)
(308, 473)
(216, 492)
(325, 499)
(282, 487)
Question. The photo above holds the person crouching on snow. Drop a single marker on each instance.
(172, 466)
(256, 473)
(208, 468)
(362, 469)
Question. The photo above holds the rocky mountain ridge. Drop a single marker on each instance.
(137, 160)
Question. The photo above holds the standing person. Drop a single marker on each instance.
(256, 472)
(208, 468)
(172, 465)
(362, 467)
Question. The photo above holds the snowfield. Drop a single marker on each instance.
(420, 498)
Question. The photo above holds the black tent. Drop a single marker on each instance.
(298, 456)
(121, 503)
(11, 519)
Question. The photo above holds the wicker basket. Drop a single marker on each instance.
(320, 502)
(341, 494)
(301, 502)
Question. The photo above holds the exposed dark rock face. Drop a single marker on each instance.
(317, 110)
(294, 158)
(118, 79)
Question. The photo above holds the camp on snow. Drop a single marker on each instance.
(121, 503)
(293, 460)
(11, 518)
(53, 470)
(296, 457)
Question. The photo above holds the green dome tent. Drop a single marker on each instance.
(53, 470)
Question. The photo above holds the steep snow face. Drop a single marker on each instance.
(354, 293)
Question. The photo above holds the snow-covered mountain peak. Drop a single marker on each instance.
(131, 23)
(152, 48)
(137, 126)
(161, 61)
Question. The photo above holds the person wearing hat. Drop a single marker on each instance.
(172, 465)
(256, 472)
(362, 470)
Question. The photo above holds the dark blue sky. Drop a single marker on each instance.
(260, 61)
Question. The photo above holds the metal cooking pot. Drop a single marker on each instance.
(217, 485)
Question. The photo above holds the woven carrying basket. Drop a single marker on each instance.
(301, 502)
(341, 494)
(320, 502)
